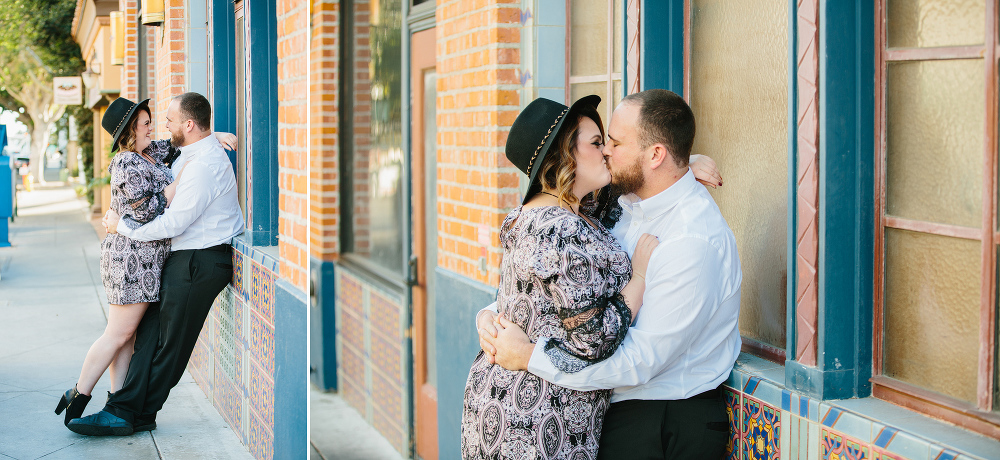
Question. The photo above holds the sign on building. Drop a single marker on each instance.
(68, 90)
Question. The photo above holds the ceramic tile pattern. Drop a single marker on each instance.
(233, 360)
(732, 399)
(372, 362)
(837, 446)
(760, 430)
(761, 415)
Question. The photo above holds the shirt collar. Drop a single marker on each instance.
(661, 202)
(203, 145)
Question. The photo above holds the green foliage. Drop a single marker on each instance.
(85, 139)
(45, 26)
(36, 44)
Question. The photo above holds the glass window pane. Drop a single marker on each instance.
(932, 311)
(578, 90)
(934, 141)
(241, 127)
(928, 23)
(378, 225)
(430, 195)
(742, 123)
(589, 37)
(619, 35)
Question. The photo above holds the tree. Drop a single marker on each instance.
(36, 45)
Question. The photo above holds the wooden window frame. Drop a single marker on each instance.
(610, 75)
(979, 416)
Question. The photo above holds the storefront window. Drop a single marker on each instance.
(739, 95)
(596, 47)
(935, 318)
(377, 176)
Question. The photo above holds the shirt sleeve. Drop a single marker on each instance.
(194, 194)
(682, 295)
(595, 326)
(131, 180)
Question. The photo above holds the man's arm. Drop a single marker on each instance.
(680, 298)
(189, 203)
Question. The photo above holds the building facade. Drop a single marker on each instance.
(857, 141)
(250, 358)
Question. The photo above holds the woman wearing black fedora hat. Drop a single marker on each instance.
(142, 186)
(563, 276)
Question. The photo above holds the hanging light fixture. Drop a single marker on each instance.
(117, 38)
(152, 12)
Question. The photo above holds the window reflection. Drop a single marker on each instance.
(378, 171)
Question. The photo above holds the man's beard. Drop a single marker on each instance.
(628, 180)
(176, 140)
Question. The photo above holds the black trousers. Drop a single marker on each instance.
(693, 428)
(167, 333)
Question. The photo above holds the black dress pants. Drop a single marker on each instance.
(168, 332)
(693, 428)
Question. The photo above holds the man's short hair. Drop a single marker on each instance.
(196, 108)
(664, 118)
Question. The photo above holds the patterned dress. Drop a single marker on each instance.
(131, 269)
(560, 278)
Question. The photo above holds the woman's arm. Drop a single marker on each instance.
(705, 171)
(594, 326)
(130, 176)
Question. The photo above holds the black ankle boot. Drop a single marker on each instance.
(74, 403)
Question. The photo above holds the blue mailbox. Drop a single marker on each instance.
(7, 188)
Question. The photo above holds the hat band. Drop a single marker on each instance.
(122, 121)
(532, 162)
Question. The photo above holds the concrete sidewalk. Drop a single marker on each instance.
(52, 308)
(340, 433)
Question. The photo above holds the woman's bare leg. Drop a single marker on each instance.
(119, 366)
(122, 321)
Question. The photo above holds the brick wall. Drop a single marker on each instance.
(324, 95)
(293, 204)
(478, 57)
(130, 69)
(362, 126)
(170, 50)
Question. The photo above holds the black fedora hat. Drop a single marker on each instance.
(117, 116)
(533, 132)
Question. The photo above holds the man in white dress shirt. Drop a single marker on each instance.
(201, 221)
(685, 339)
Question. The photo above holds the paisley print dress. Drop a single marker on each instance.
(560, 278)
(131, 269)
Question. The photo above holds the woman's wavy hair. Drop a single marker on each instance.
(558, 170)
(126, 143)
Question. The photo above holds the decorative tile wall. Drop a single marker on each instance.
(372, 363)
(771, 422)
(233, 360)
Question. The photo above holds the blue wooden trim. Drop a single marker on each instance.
(791, 265)
(223, 71)
(323, 325)
(662, 29)
(291, 396)
(263, 80)
(846, 205)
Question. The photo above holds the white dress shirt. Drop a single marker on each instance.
(686, 336)
(205, 210)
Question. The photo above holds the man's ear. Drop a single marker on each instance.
(659, 154)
